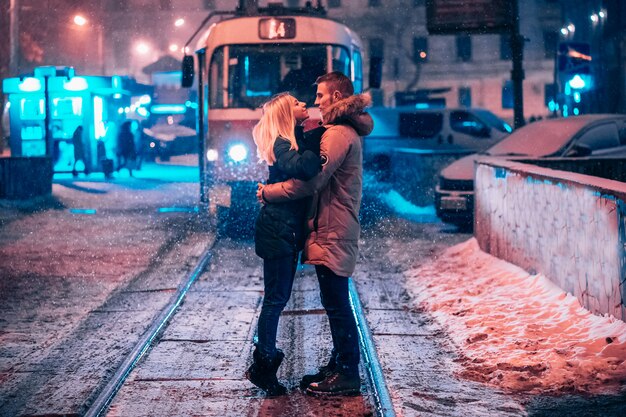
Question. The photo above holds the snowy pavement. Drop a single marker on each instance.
(458, 332)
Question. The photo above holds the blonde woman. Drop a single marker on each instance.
(279, 228)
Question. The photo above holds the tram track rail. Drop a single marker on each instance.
(375, 381)
(107, 394)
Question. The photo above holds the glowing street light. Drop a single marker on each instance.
(173, 47)
(179, 22)
(80, 20)
(142, 48)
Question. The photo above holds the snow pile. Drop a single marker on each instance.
(518, 331)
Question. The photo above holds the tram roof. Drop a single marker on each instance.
(245, 30)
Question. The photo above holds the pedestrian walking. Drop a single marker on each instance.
(279, 228)
(79, 152)
(126, 152)
(333, 225)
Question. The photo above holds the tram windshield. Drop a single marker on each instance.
(245, 76)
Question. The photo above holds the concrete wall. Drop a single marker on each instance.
(568, 226)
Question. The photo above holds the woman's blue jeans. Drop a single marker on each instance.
(278, 275)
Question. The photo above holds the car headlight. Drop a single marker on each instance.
(238, 152)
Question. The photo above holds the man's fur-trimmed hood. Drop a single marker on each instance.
(351, 111)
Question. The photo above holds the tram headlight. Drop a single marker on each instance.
(238, 152)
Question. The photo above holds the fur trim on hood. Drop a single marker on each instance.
(351, 111)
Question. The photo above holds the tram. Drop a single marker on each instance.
(240, 62)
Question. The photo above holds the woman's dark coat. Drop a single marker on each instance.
(279, 229)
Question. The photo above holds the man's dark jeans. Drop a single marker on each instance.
(335, 299)
(278, 277)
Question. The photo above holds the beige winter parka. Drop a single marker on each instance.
(333, 220)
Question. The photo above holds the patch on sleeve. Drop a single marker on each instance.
(324, 159)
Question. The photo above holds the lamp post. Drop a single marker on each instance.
(14, 37)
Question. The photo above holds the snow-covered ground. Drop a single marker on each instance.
(519, 331)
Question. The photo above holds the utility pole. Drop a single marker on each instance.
(517, 73)
(14, 38)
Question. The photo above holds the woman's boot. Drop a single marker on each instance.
(262, 373)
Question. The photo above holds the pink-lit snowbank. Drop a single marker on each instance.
(518, 331)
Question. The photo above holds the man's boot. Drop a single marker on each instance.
(323, 372)
(336, 384)
(262, 373)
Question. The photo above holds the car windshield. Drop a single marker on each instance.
(541, 138)
(493, 120)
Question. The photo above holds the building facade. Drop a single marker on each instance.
(124, 36)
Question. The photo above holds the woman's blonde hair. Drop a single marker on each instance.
(277, 120)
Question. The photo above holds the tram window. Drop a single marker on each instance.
(341, 60)
(256, 72)
(358, 71)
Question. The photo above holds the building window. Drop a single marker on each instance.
(116, 5)
(550, 40)
(165, 4)
(293, 3)
(464, 48)
(334, 3)
(373, 3)
(507, 94)
(420, 49)
(505, 48)
(549, 95)
(465, 97)
(209, 4)
(377, 48)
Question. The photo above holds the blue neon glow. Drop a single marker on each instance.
(238, 152)
(145, 99)
(508, 128)
(83, 211)
(178, 209)
(30, 85)
(422, 106)
(168, 108)
(98, 118)
(576, 111)
(577, 82)
(116, 81)
(143, 112)
(76, 84)
(117, 95)
(577, 97)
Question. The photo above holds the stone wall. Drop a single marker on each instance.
(568, 226)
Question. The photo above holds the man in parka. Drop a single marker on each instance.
(333, 224)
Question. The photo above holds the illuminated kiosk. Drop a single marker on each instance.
(47, 106)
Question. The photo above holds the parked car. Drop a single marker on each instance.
(465, 130)
(578, 136)
(165, 141)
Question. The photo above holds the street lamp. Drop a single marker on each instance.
(81, 21)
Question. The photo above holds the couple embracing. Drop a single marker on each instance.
(311, 203)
